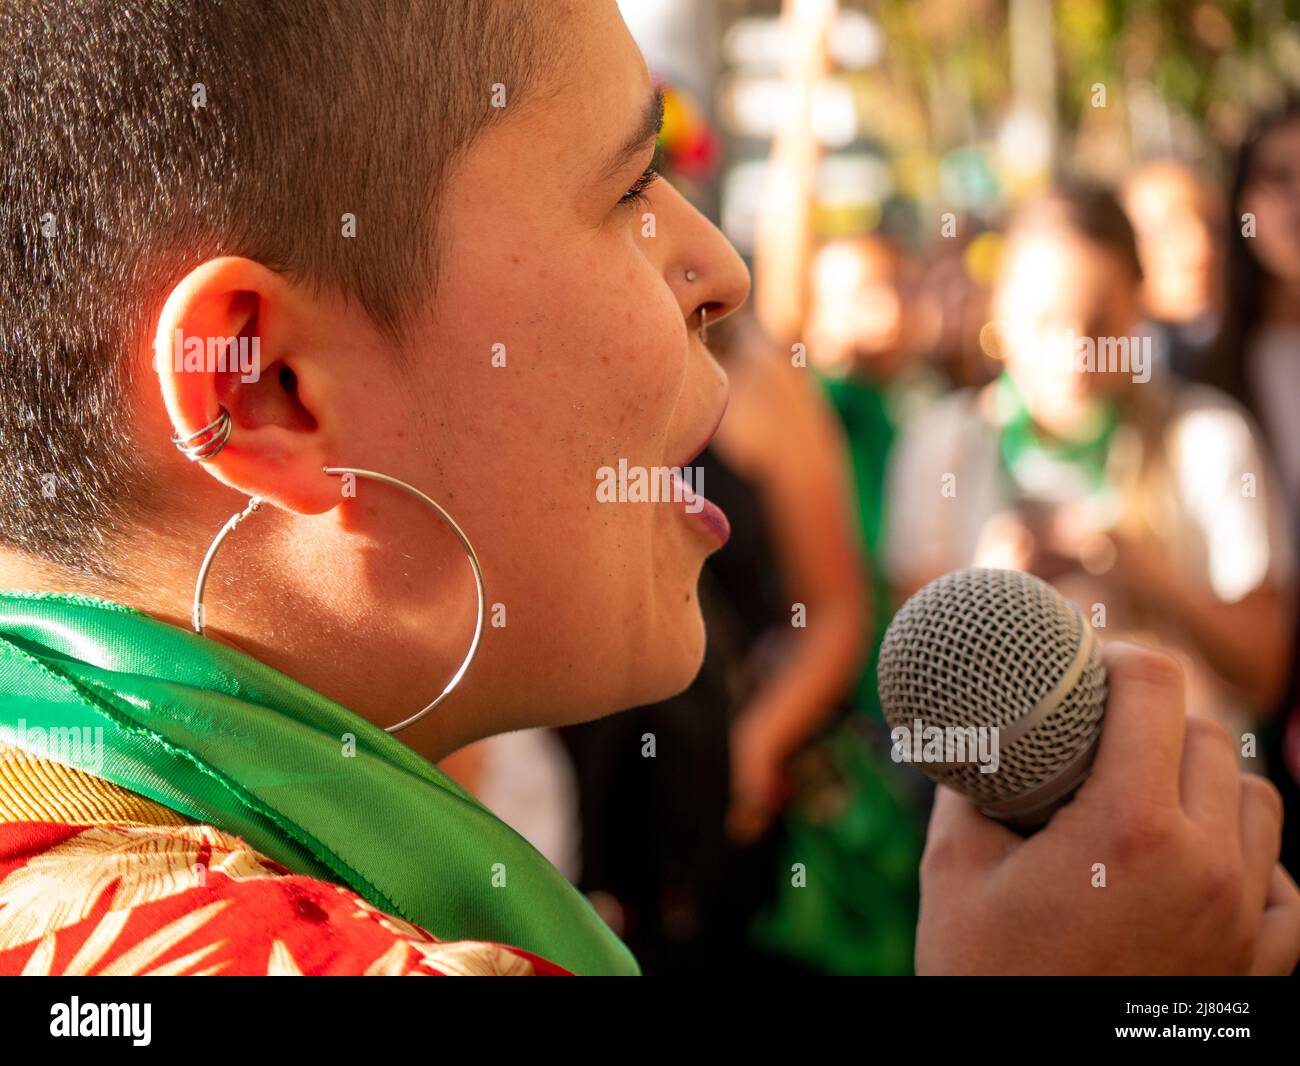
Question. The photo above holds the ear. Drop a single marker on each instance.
(231, 335)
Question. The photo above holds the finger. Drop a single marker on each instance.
(746, 820)
(960, 836)
(1261, 838)
(1139, 757)
(1277, 949)
(1210, 783)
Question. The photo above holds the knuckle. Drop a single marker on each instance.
(947, 856)
(1143, 831)
(1221, 883)
(1261, 791)
(1207, 731)
(940, 854)
(1151, 668)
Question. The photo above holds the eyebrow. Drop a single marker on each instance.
(652, 123)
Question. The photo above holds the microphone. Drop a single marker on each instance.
(992, 683)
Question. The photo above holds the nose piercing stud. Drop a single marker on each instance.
(704, 312)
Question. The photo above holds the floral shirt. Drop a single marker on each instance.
(96, 880)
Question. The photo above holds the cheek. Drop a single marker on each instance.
(594, 349)
(621, 341)
(1277, 226)
(635, 365)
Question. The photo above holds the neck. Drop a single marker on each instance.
(264, 612)
(1068, 423)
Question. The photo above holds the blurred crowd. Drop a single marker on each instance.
(898, 412)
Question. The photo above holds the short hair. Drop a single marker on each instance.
(140, 138)
(1087, 210)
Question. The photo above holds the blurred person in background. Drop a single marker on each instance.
(1257, 360)
(685, 844)
(691, 872)
(953, 306)
(847, 303)
(846, 814)
(689, 852)
(857, 344)
(1257, 357)
(835, 317)
(1178, 217)
(1149, 502)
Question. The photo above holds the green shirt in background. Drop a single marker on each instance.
(863, 411)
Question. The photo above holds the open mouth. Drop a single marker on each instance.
(689, 489)
(707, 514)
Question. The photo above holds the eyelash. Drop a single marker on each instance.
(637, 194)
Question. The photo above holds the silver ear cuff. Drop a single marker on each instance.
(206, 442)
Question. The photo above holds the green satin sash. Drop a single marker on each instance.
(220, 737)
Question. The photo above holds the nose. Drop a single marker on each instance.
(703, 269)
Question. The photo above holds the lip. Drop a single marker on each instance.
(711, 434)
(704, 511)
(696, 505)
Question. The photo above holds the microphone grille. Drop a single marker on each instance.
(985, 648)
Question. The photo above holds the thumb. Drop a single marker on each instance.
(961, 835)
(1278, 940)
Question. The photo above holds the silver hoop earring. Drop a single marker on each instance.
(206, 442)
(255, 504)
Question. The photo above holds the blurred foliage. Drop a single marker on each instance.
(974, 104)
(947, 75)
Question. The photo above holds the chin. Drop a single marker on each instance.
(672, 661)
(669, 665)
(675, 682)
(681, 658)
(655, 658)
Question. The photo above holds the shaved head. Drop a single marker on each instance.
(141, 138)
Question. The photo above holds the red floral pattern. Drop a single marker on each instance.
(116, 900)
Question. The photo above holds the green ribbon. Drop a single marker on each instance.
(1019, 438)
(220, 737)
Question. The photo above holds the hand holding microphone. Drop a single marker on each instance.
(1164, 860)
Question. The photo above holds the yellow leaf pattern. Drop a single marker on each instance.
(139, 865)
(61, 886)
